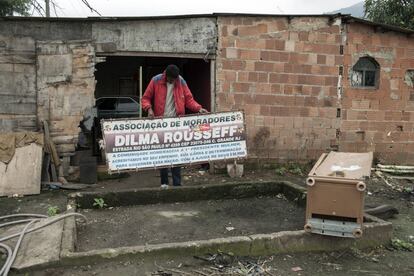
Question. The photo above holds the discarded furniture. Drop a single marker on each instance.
(335, 194)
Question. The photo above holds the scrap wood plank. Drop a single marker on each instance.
(53, 172)
(51, 145)
(45, 167)
(22, 174)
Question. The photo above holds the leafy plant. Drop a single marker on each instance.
(295, 168)
(408, 190)
(292, 168)
(99, 202)
(10, 7)
(281, 171)
(52, 211)
(393, 12)
(402, 245)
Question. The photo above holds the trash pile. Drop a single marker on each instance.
(224, 264)
(398, 178)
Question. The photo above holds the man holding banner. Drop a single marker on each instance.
(168, 95)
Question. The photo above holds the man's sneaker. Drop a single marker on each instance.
(164, 186)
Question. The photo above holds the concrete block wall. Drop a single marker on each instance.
(379, 120)
(283, 72)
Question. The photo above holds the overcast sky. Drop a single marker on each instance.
(75, 8)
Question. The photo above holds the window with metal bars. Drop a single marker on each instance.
(365, 73)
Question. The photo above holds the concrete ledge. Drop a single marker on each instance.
(376, 233)
(292, 191)
(69, 230)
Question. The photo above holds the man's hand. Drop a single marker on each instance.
(203, 111)
(150, 113)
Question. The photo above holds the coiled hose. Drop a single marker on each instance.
(11, 254)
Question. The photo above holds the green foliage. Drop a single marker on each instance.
(296, 170)
(292, 168)
(408, 190)
(52, 211)
(99, 202)
(10, 7)
(393, 12)
(281, 171)
(401, 245)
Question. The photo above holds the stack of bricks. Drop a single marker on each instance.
(283, 72)
(379, 119)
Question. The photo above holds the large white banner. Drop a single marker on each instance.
(136, 144)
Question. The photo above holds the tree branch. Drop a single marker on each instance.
(37, 6)
(90, 7)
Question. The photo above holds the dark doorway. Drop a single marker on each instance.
(119, 76)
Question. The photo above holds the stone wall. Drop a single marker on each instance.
(284, 73)
(46, 73)
(66, 85)
(47, 65)
(17, 83)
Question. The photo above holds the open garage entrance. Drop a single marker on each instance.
(122, 75)
(121, 81)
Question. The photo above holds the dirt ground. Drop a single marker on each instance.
(388, 260)
(178, 222)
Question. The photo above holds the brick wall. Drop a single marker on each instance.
(284, 74)
(379, 120)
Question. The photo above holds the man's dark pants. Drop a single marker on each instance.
(176, 176)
